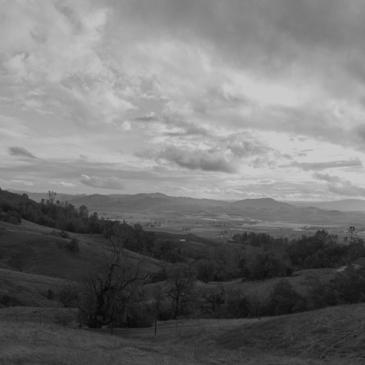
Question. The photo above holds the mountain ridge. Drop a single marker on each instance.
(159, 204)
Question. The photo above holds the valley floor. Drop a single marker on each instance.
(333, 336)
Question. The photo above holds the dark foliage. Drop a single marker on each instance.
(284, 300)
(62, 216)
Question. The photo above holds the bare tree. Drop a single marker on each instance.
(180, 287)
(110, 288)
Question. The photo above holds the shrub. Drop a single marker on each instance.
(50, 294)
(349, 286)
(284, 300)
(320, 295)
(8, 301)
(73, 245)
(212, 302)
(69, 296)
(237, 305)
(140, 316)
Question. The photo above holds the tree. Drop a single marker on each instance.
(284, 299)
(213, 300)
(110, 289)
(180, 288)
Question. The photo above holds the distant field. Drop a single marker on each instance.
(223, 230)
(330, 336)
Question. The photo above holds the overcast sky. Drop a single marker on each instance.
(205, 98)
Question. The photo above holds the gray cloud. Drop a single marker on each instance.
(346, 188)
(151, 117)
(197, 159)
(21, 152)
(327, 177)
(327, 165)
(279, 27)
(112, 183)
(340, 186)
(241, 146)
(147, 75)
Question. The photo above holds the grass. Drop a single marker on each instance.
(29, 343)
(36, 249)
(313, 338)
(41, 315)
(31, 335)
(329, 333)
(29, 289)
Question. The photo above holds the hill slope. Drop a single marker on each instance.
(327, 333)
(36, 249)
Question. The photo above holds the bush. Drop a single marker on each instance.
(265, 265)
(160, 275)
(140, 316)
(69, 296)
(50, 294)
(320, 295)
(212, 302)
(73, 246)
(284, 300)
(8, 301)
(349, 286)
(237, 306)
(11, 216)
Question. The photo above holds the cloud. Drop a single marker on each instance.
(111, 183)
(245, 146)
(150, 117)
(327, 177)
(21, 152)
(341, 186)
(327, 165)
(197, 159)
(207, 86)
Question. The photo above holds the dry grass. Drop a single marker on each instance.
(337, 332)
(25, 343)
(331, 336)
(29, 289)
(36, 249)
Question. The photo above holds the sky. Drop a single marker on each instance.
(216, 99)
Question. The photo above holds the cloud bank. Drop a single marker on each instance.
(237, 90)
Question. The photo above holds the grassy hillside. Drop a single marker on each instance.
(19, 288)
(327, 333)
(40, 250)
(331, 336)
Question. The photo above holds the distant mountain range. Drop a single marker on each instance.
(264, 209)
